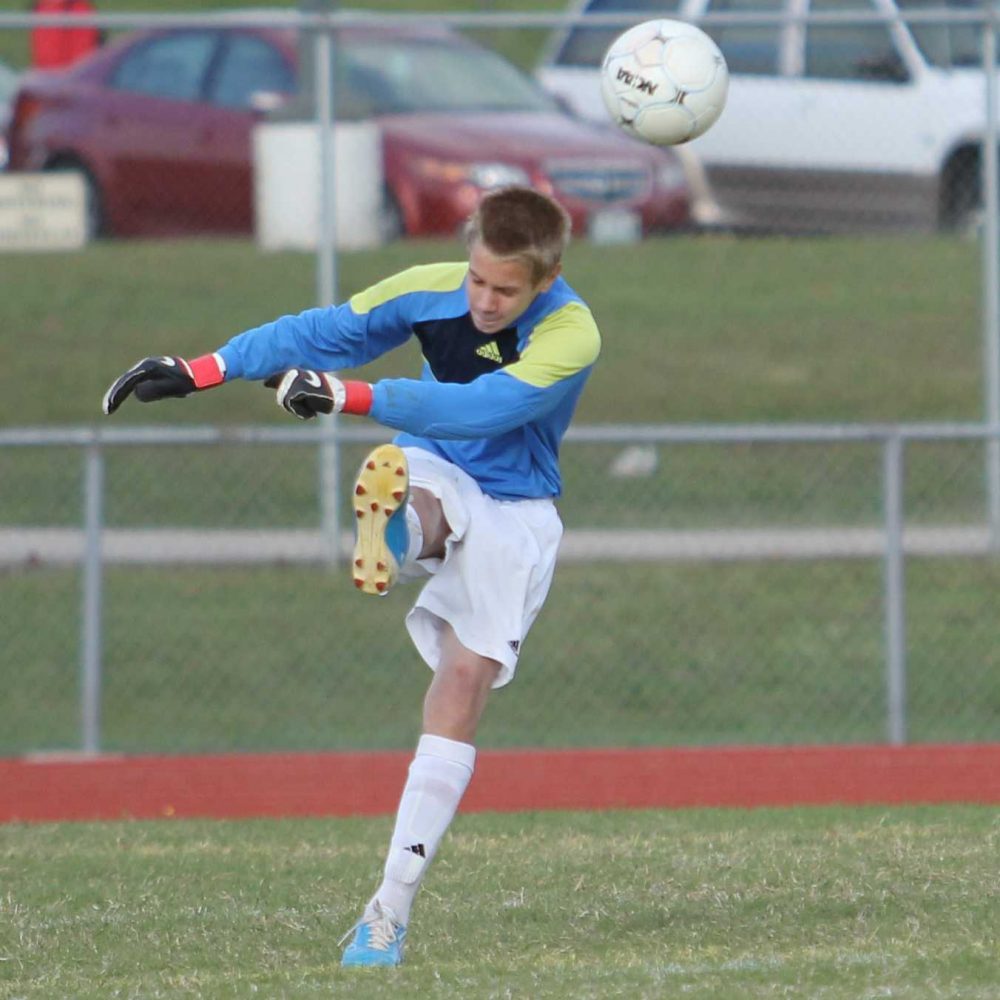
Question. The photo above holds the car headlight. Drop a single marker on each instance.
(670, 174)
(491, 175)
(483, 175)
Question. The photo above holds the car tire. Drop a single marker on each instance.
(961, 208)
(95, 224)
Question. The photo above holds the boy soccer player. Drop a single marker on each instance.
(462, 499)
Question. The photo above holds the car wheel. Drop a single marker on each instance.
(94, 221)
(961, 208)
(391, 225)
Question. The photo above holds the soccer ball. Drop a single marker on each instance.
(664, 82)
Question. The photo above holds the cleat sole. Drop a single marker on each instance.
(377, 489)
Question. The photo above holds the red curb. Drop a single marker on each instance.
(231, 786)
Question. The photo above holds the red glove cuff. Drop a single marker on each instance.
(357, 398)
(207, 371)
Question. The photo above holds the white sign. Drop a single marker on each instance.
(287, 185)
(43, 211)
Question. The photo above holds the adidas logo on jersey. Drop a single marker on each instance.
(490, 351)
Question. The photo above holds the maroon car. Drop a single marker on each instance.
(160, 124)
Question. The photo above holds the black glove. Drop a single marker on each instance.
(305, 393)
(163, 377)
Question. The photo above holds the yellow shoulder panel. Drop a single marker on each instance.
(565, 342)
(422, 278)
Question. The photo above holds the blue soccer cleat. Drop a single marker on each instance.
(378, 939)
(382, 539)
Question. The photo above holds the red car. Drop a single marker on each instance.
(160, 124)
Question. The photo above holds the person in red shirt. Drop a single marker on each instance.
(56, 47)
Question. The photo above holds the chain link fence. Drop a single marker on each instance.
(761, 584)
(788, 605)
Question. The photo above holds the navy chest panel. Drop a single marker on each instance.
(457, 352)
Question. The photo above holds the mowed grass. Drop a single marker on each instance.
(221, 659)
(711, 329)
(695, 329)
(824, 903)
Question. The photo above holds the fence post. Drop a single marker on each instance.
(894, 588)
(326, 286)
(991, 276)
(90, 639)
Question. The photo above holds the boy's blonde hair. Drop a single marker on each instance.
(521, 224)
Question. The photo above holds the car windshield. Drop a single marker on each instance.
(394, 76)
(946, 45)
(585, 45)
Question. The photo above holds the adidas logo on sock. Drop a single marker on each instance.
(490, 351)
(417, 849)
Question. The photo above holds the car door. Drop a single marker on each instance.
(827, 136)
(153, 130)
(863, 152)
(747, 149)
(249, 75)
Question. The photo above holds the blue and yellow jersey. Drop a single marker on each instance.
(496, 405)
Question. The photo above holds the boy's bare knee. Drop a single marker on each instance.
(432, 520)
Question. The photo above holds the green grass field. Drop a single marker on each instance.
(278, 658)
(695, 329)
(745, 331)
(825, 904)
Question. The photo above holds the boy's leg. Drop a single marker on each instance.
(437, 779)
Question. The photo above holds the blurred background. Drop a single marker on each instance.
(781, 491)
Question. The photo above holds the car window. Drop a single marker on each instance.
(249, 66)
(173, 66)
(851, 51)
(748, 48)
(946, 45)
(386, 76)
(585, 46)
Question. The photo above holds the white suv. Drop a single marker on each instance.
(832, 126)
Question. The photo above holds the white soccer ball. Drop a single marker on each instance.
(664, 82)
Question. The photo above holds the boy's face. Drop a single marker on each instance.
(500, 289)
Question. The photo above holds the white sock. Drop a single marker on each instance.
(438, 776)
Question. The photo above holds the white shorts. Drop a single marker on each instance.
(496, 571)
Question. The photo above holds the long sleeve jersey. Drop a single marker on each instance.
(495, 405)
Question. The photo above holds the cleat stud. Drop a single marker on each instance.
(359, 490)
(359, 563)
(398, 495)
(380, 567)
(380, 586)
(370, 465)
(358, 583)
(374, 506)
(360, 513)
(400, 471)
(389, 511)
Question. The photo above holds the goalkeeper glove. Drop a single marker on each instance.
(305, 393)
(160, 378)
